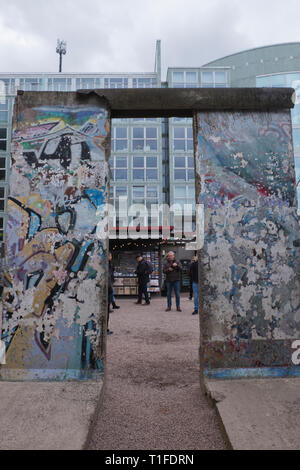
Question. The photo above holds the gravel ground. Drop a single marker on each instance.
(153, 399)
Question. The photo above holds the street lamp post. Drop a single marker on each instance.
(61, 49)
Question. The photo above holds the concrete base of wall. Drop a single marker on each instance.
(48, 375)
(47, 416)
(258, 414)
(252, 372)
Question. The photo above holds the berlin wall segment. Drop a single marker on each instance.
(54, 307)
(250, 264)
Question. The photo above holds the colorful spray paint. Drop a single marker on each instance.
(55, 296)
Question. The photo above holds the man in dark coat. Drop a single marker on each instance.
(194, 279)
(111, 296)
(142, 272)
(111, 281)
(172, 269)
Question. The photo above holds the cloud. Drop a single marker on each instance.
(120, 35)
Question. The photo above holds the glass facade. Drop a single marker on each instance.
(214, 79)
(180, 131)
(119, 139)
(60, 84)
(203, 77)
(6, 103)
(144, 139)
(136, 160)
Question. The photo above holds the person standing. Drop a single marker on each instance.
(110, 293)
(194, 279)
(111, 270)
(172, 269)
(191, 282)
(142, 271)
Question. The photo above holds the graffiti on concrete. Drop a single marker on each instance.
(55, 276)
(245, 166)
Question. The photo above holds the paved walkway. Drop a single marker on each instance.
(46, 415)
(153, 399)
(259, 414)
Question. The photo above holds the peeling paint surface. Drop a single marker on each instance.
(55, 263)
(251, 291)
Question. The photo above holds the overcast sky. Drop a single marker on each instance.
(120, 35)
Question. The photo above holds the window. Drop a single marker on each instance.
(279, 80)
(191, 77)
(220, 79)
(184, 194)
(31, 84)
(214, 79)
(87, 82)
(116, 83)
(144, 168)
(184, 168)
(183, 139)
(3, 109)
(151, 197)
(263, 81)
(152, 192)
(1, 230)
(138, 194)
(118, 167)
(2, 169)
(144, 139)
(7, 85)
(119, 141)
(207, 79)
(116, 192)
(178, 77)
(2, 206)
(120, 191)
(144, 83)
(145, 194)
(3, 139)
(59, 84)
(185, 79)
(2, 202)
(293, 80)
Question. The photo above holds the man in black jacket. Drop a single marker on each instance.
(194, 279)
(142, 272)
(111, 280)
